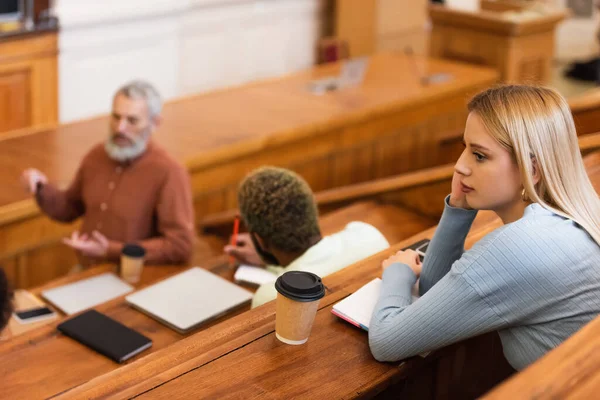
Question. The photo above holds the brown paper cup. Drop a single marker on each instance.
(131, 268)
(294, 319)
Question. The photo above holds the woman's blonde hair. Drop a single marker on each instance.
(536, 126)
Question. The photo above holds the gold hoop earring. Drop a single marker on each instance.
(524, 195)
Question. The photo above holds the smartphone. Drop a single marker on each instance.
(420, 247)
(34, 315)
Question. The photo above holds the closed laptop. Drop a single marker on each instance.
(189, 299)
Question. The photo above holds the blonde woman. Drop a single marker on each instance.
(536, 279)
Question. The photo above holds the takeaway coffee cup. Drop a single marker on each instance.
(298, 295)
(132, 262)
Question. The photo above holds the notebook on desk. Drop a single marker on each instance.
(254, 276)
(105, 335)
(86, 293)
(189, 299)
(357, 308)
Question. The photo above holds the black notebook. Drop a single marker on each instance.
(105, 335)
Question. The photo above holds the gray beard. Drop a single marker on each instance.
(123, 154)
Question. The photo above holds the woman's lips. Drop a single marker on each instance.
(465, 188)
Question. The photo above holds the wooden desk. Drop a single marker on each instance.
(43, 362)
(521, 47)
(245, 347)
(389, 125)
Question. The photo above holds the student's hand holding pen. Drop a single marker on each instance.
(244, 251)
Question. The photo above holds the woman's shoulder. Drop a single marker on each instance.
(540, 232)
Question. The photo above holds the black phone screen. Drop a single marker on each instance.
(36, 312)
(420, 246)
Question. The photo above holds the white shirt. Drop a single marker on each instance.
(357, 241)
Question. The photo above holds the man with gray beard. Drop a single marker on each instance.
(128, 189)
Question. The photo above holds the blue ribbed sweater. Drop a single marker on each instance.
(536, 281)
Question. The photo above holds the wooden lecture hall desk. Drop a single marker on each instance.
(239, 357)
(388, 125)
(48, 363)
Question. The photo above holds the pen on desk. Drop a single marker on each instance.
(236, 228)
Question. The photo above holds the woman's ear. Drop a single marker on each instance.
(535, 170)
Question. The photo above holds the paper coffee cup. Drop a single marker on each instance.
(297, 304)
(132, 262)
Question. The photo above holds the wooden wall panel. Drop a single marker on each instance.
(46, 263)
(15, 101)
(318, 173)
(29, 82)
(356, 23)
(10, 268)
(32, 233)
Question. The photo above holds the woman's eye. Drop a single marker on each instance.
(479, 157)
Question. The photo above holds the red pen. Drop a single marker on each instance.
(236, 229)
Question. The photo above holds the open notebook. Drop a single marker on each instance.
(254, 276)
(358, 307)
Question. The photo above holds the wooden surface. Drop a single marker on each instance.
(521, 50)
(245, 347)
(42, 362)
(356, 23)
(571, 371)
(395, 223)
(369, 26)
(586, 111)
(28, 82)
(402, 23)
(389, 125)
(24, 300)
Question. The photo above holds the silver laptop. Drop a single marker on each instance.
(189, 299)
(86, 293)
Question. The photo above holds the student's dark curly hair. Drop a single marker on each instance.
(280, 207)
(6, 299)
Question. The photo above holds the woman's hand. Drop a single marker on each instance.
(458, 198)
(408, 257)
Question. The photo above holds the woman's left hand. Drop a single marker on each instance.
(408, 257)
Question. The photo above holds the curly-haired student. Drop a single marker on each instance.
(280, 212)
